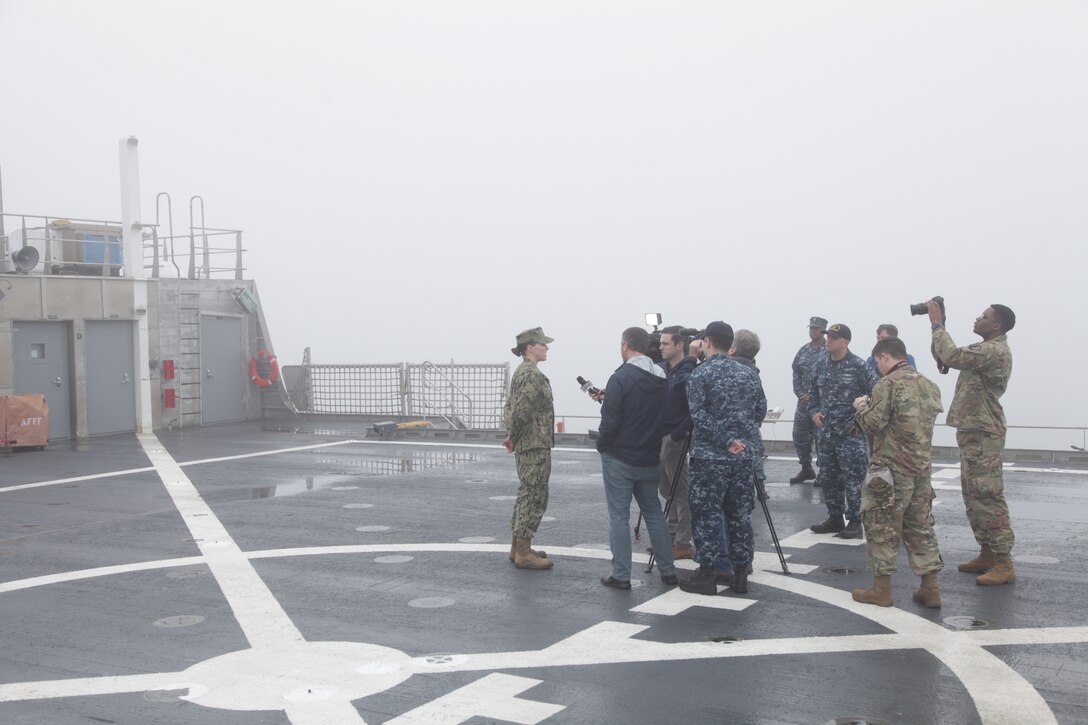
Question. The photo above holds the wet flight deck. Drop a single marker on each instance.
(315, 576)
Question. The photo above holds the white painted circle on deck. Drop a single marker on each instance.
(358, 505)
(266, 678)
(371, 529)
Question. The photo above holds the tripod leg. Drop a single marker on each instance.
(761, 493)
(672, 491)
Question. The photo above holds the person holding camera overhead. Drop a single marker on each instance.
(979, 420)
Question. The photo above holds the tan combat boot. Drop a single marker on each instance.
(929, 593)
(1002, 572)
(513, 546)
(880, 594)
(524, 558)
(980, 563)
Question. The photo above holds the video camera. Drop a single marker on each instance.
(922, 308)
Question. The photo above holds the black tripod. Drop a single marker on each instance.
(672, 492)
(761, 494)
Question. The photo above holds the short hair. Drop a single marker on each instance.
(637, 339)
(721, 342)
(888, 328)
(746, 344)
(893, 346)
(1005, 317)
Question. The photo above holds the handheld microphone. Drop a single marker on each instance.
(588, 387)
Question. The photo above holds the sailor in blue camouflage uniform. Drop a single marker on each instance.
(727, 405)
(843, 447)
(804, 368)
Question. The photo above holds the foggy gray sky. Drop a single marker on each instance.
(419, 181)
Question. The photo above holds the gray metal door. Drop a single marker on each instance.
(42, 366)
(222, 370)
(111, 384)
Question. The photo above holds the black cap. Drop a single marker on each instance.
(839, 330)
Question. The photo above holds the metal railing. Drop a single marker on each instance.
(94, 247)
(465, 396)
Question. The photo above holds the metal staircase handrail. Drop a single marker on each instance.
(467, 421)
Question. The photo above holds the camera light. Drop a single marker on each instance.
(653, 319)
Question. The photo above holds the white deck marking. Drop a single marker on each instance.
(85, 686)
(494, 696)
(69, 576)
(806, 539)
(675, 601)
(260, 616)
(946, 473)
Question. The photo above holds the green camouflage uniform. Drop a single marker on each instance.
(896, 500)
(979, 420)
(529, 417)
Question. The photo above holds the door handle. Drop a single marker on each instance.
(208, 374)
(57, 381)
(124, 378)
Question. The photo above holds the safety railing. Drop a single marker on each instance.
(44, 244)
(465, 396)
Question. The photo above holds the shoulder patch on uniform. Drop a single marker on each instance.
(974, 346)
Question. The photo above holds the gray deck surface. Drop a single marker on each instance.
(316, 577)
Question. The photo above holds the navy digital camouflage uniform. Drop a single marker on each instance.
(804, 371)
(843, 447)
(529, 416)
(727, 404)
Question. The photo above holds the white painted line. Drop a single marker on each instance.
(806, 539)
(85, 686)
(77, 479)
(947, 473)
(323, 713)
(70, 576)
(260, 616)
(676, 600)
(494, 696)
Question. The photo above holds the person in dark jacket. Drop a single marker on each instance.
(674, 441)
(629, 442)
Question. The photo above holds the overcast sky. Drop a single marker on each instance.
(420, 181)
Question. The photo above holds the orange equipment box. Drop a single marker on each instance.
(25, 421)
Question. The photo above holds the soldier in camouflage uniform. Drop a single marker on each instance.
(727, 405)
(843, 449)
(896, 501)
(979, 420)
(804, 368)
(529, 417)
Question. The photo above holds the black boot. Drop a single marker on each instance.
(806, 474)
(702, 583)
(740, 580)
(828, 525)
(852, 530)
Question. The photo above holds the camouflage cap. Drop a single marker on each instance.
(527, 337)
(839, 330)
(817, 322)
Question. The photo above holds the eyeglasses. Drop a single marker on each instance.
(984, 316)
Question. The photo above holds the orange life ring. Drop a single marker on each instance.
(263, 369)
